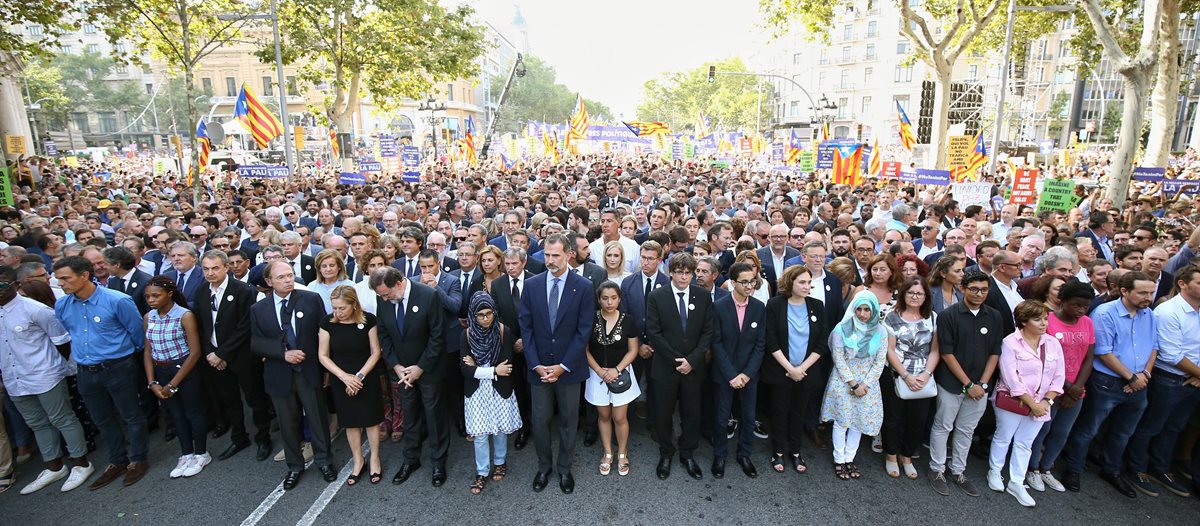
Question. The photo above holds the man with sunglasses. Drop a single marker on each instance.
(929, 243)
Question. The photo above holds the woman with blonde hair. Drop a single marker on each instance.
(751, 258)
(614, 261)
(491, 263)
(390, 246)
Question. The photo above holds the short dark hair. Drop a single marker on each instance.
(926, 307)
(738, 268)
(1029, 310)
(608, 285)
(77, 264)
(121, 257)
(1124, 251)
(1129, 280)
(682, 261)
(1098, 219)
(1074, 289)
(974, 276)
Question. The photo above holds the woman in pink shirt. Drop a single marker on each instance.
(1031, 377)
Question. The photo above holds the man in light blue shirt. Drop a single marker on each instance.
(1174, 389)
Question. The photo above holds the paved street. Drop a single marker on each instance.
(240, 490)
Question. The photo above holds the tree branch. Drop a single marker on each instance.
(161, 32)
(1104, 31)
(979, 27)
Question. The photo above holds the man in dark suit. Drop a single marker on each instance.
(826, 286)
(1153, 261)
(679, 325)
(184, 272)
(635, 289)
(506, 291)
(580, 263)
(411, 243)
(303, 265)
(125, 276)
(557, 313)
(720, 235)
(450, 296)
(412, 336)
(1101, 229)
(708, 269)
(521, 239)
(223, 316)
(737, 351)
(469, 276)
(774, 256)
(283, 331)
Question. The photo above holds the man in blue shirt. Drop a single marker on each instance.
(1126, 347)
(1173, 393)
(106, 335)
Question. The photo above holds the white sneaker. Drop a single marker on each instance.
(196, 465)
(79, 475)
(45, 478)
(1052, 482)
(995, 481)
(1017, 489)
(1034, 480)
(182, 465)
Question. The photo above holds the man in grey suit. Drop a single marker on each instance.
(450, 296)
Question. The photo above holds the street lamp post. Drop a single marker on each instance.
(282, 91)
(35, 107)
(826, 105)
(433, 106)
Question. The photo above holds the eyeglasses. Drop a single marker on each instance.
(926, 227)
(484, 315)
(197, 236)
(977, 290)
(915, 294)
(463, 238)
(1142, 238)
(748, 283)
(292, 212)
(4, 285)
(797, 236)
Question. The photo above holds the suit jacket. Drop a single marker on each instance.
(717, 293)
(995, 299)
(777, 335)
(422, 342)
(508, 309)
(769, 272)
(351, 267)
(726, 259)
(267, 340)
(595, 274)
(918, 243)
(194, 280)
(475, 286)
(157, 257)
(233, 322)
(135, 288)
(738, 349)
(633, 299)
(308, 270)
(401, 263)
(449, 264)
(932, 258)
(565, 341)
(449, 294)
(310, 222)
(670, 338)
(499, 242)
(534, 266)
(1166, 283)
(835, 305)
(502, 384)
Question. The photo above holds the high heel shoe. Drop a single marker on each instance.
(353, 479)
(622, 464)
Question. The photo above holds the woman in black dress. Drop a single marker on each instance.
(612, 347)
(354, 379)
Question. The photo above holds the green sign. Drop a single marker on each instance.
(6, 196)
(1057, 194)
(808, 161)
(689, 151)
(720, 163)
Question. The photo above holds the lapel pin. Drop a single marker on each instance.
(307, 267)
(753, 325)
(813, 318)
(983, 330)
(229, 297)
(96, 319)
(299, 315)
(416, 308)
(691, 306)
(360, 326)
(18, 328)
(133, 285)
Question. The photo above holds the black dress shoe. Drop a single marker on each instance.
(439, 475)
(220, 430)
(693, 469)
(1120, 484)
(718, 468)
(290, 481)
(328, 473)
(589, 438)
(1071, 481)
(540, 480)
(747, 467)
(664, 468)
(566, 483)
(522, 439)
(264, 451)
(233, 450)
(169, 434)
(406, 469)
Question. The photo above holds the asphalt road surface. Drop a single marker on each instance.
(243, 491)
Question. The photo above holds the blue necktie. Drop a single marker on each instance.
(554, 291)
(285, 322)
(400, 317)
(410, 268)
(682, 310)
(180, 282)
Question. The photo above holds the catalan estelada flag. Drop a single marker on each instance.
(471, 152)
(907, 139)
(203, 143)
(825, 132)
(333, 142)
(254, 116)
(645, 129)
(577, 126)
(847, 164)
(876, 165)
(978, 158)
(792, 154)
(702, 125)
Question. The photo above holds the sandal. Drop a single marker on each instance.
(353, 479)
(893, 469)
(840, 471)
(376, 477)
(853, 471)
(499, 472)
(7, 483)
(910, 471)
(777, 462)
(606, 464)
(622, 464)
(478, 484)
(798, 464)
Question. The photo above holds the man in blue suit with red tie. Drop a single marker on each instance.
(557, 312)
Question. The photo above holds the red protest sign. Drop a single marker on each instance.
(891, 169)
(1024, 191)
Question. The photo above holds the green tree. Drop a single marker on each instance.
(730, 103)
(52, 19)
(538, 97)
(1057, 114)
(44, 80)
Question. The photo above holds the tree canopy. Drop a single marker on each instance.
(731, 102)
(538, 96)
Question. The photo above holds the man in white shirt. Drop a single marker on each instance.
(610, 226)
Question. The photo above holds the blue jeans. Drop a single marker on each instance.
(110, 392)
(1171, 405)
(1053, 436)
(483, 452)
(1106, 400)
(723, 401)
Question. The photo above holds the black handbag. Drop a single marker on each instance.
(621, 384)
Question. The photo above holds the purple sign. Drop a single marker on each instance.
(352, 178)
(1148, 173)
(933, 177)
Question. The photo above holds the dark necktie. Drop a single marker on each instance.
(411, 272)
(118, 284)
(516, 292)
(649, 287)
(400, 317)
(554, 291)
(181, 280)
(466, 285)
(682, 310)
(285, 322)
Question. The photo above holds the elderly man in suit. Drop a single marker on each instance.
(679, 324)
(774, 255)
(412, 336)
(223, 315)
(183, 269)
(506, 291)
(303, 265)
(558, 310)
(737, 352)
(283, 331)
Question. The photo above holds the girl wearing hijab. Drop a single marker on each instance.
(490, 407)
(859, 345)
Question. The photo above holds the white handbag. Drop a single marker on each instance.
(904, 393)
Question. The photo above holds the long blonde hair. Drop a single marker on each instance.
(347, 294)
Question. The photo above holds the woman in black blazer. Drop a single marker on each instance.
(792, 316)
(490, 408)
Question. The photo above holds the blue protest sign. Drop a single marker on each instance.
(50, 146)
(907, 176)
(411, 159)
(1172, 186)
(388, 147)
(370, 166)
(351, 178)
(1148, 173)
(104, 175)
(933, 177)
(1047, 146)
(263, 171)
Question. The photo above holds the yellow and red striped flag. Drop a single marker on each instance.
(876, 164)
(254, 116)
(907, 139)
(644, 129)
(333, 142)
(847, 164)
(978, 158)
(577, 126)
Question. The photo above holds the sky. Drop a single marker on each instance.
(607, 50)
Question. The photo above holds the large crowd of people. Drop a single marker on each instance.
(713, 306)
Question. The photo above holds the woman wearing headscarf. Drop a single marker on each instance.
(859, 345)
(490, 408)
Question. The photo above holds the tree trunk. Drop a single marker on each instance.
(1164, 101)
(941, 113)
(1137, 86)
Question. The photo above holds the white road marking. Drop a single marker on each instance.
(315, 510)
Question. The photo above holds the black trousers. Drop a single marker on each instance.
(724, 398)
(231, 386)
(671, 389)
(521, 387)
(789, 405)
(311, 399)
(905, 422)
(549, 399)
(424, 413)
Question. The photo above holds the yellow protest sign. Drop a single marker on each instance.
(958, 149)
(14, 144)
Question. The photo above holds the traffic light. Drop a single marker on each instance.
(925, 116)
(712, 74)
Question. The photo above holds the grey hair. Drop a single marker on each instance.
(1052, 256)
(516, 252)
(899, 211)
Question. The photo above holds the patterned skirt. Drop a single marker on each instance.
(487, 413)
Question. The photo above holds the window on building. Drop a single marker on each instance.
(89, 28)
(972, 72)
(865, 107)
(267, 87)
(872, 29)
(121, 48)
(66, 50)
(903, 73)
(870, 53)
(824, 56)
(902, 100)
(867, 73)
(81, 122)
(901, 47)
(794, 109)
(121, 69)
(206, 86)
(108, 122)
(34, 30)
(231, 87)
(845, 53)
(796, 59)
(821, 79)
(845, 82)
(450, 92)
(149, 88)
(848, 32)
(93, 48)
(843, 107)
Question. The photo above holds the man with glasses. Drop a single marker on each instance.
(1144, 237)
(775, 255)
(184, 272)
(929, 243)
(220, 242)
(1003, 295)
(969, 335)
(796, 238)
(199, 237)
(737, 351)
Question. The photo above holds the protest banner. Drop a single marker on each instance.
(264, 171)
(958, 149)
(1024, 190)
(351, 178)
(1148, 173)
(6, 196)
(1057, 194)
(968, 194)
(891, 169)
(933, 177)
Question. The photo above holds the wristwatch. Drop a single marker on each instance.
(984, 386)
(152, 384)
(1050, 401)
(360, 376)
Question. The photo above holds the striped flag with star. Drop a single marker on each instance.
(876, 164)
(577, 126)
(907, 139)
(472, 154)
(978, 158)
(847, 164)
(251, 112)
(645, 129)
